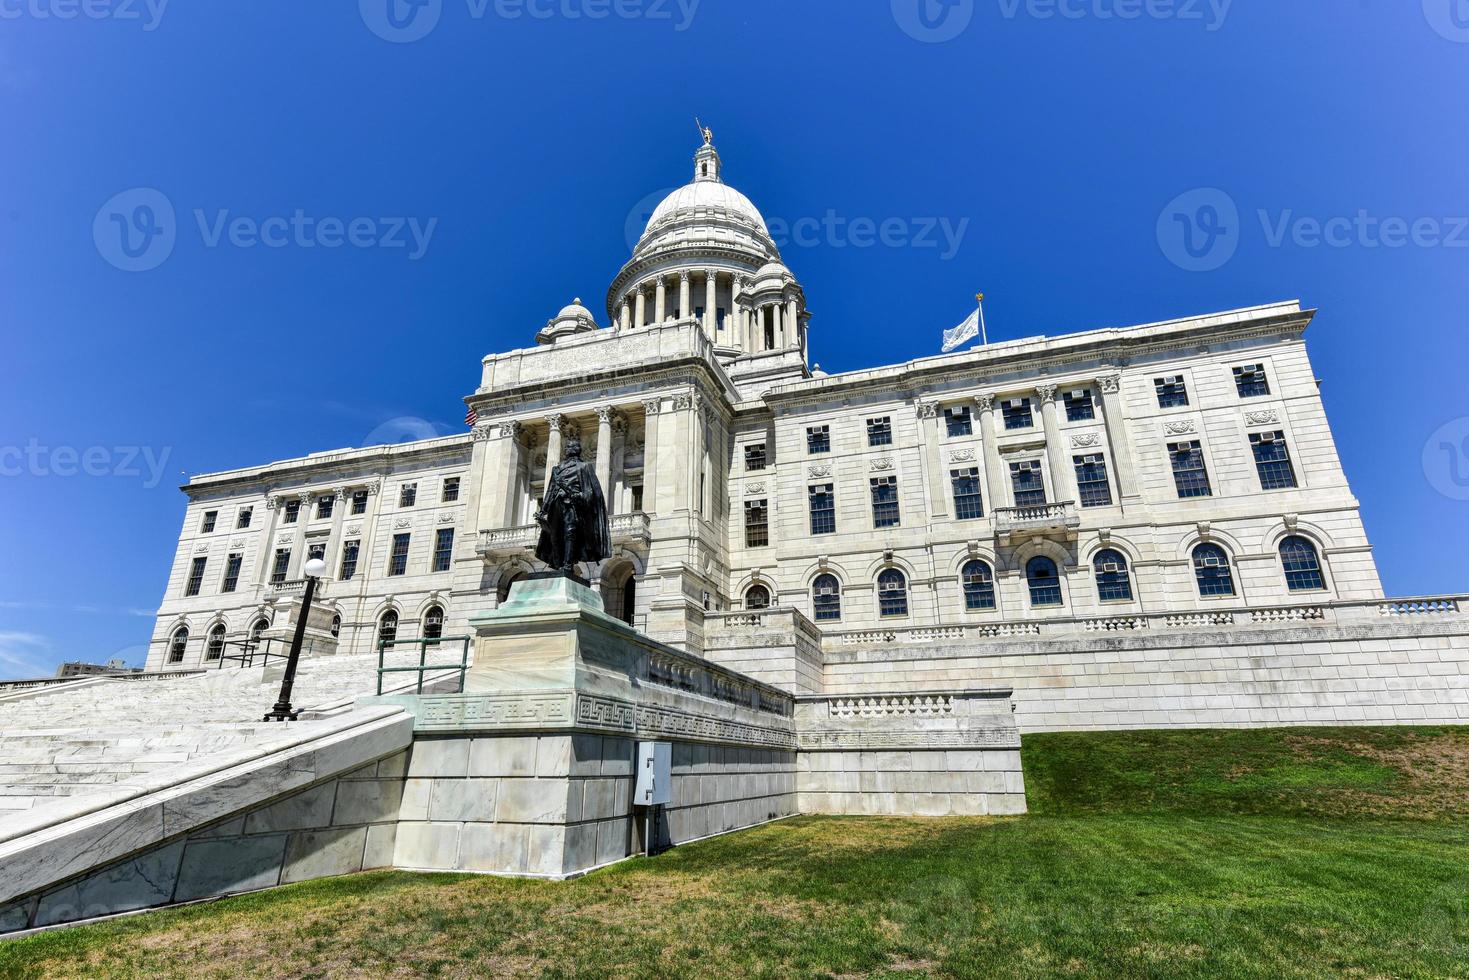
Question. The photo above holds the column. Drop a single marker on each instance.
(334, 538)
(938, 500)
(1111, 388)
(298, 543)
(777, 328)
(736, 336)
(1062, 488)
(604, 451)
(793, 327)
(685, 310)
(651, 409)
(710, 283)
(553, 446)
(640, 316)
(266, 554)
(995, 477)
(624, 318)
(660, 302)
(615, 502)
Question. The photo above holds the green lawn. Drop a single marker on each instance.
(1283, 853)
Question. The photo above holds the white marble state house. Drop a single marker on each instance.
(1123, 524)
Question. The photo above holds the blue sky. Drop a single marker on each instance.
(1039, 150)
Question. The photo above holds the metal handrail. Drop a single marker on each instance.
(423, 666)
(253, 651)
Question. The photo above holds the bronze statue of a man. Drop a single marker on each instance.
(573, 515)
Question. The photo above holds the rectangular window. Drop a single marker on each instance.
(443, 548)
(823, 508)
(637, 497)
(958, 421)
(398, 559)
(359, 501)
(1272, 460)
(968, 503)
(880, 431)
(1017, 413)
(350, 550)
(293, 511)
(232, 572)
(1250, 381)
(757, 523)
(1029, 485)
(1189, 473)
(196, 576)
(408, 495)
(818, 439)
(1172, 392)
(281, 565)
(884, 501)
(243, 521)
(1091, 480)
(451, 490)
(210, 516)
(325, 506)
(1080, 405)
(755, 457)
(316, 550)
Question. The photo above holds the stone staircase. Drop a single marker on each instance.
(102, 737)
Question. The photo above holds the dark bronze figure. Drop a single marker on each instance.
(573, 515)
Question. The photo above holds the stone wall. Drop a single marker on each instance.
(1369, 674)
(336, 827)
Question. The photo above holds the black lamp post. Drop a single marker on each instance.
(313, 570)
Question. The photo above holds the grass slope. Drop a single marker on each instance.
(1280, 853)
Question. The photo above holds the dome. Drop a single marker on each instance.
(575, 311)
(772, 269)
(707, 196)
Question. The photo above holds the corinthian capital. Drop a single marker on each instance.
(1109, 383)
(555, 422)
(1046, 391)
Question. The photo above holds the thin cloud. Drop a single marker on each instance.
(21, 654)
(34, 604)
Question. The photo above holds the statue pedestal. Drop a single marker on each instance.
(317, 641)
(550, 632)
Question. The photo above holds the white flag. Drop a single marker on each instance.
(963, 333)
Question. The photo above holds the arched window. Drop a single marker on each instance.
(337, 625)
(506, 583)
(387, 627)
(214, 646)
(1302, 565)
(1211, 568)
(826, 598)
(979, 585)
(433, 623)
(177, 644)
(892, 593)
(1044, 581)
(1113, 582)
(256, 629)
(757, 597)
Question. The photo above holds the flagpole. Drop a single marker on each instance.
(984, 337)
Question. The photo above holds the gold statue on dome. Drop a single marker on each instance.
(705, 131)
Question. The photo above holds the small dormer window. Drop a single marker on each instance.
(704, 170)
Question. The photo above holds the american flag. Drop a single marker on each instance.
(471, 417)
